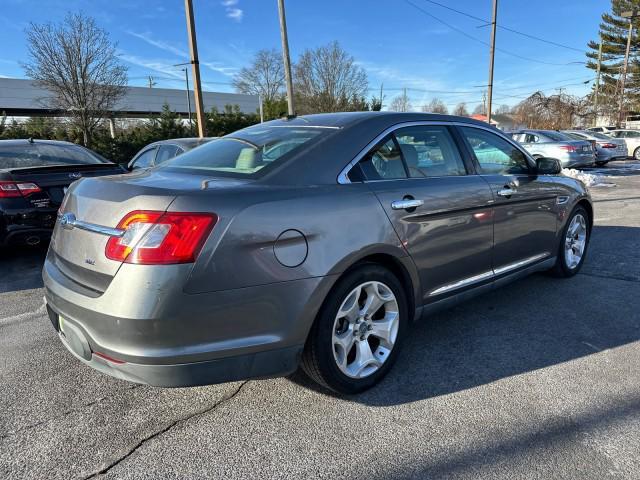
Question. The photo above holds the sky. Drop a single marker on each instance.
(413, 44)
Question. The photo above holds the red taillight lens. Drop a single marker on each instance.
(23, 189)
(568, 148)
(608, 145)
(153, 238)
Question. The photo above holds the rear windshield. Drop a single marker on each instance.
(557, 136)
(43, 154)
(247, 152)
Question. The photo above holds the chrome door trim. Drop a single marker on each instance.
(488, 274)
(69, 221)
(521, 263)
(343, 178)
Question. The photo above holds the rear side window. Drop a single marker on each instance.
(42, 154)
(495, 155)
(383, 162)
(145, 159)
(429, 151)
(166, 152)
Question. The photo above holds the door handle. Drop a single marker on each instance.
(406, 204)
(507, 191)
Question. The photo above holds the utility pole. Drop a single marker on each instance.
(285, 56)
(595, 94)
(631, 15)
(261, 109)
(405, 100)
(491, 56)
(381, 85)
(195, 64)
(186, 80)
(151, 82)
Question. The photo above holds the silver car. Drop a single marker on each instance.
(312, 241)
(608, 149)
(570, 152)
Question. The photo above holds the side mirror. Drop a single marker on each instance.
(548, 166)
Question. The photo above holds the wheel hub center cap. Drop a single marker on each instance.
(362, 329)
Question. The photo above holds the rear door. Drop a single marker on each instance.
(525, 218)
(441, 213)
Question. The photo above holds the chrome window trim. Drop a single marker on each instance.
(343, 178)
(488, 274)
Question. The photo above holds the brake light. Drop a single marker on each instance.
(608, 145)
(156, 238)
(23, 189)
(568, 148)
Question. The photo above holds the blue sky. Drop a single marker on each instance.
(397, 44)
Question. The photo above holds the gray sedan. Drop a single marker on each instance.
(570, 152)
(608, 149)
(312, 241)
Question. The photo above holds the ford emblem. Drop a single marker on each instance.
(75, 175)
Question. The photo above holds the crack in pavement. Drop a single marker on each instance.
(12, 433)
(132, 450)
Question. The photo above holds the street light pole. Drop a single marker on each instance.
(491, 56)
(285, 57)
(631, 15)
(195, 64)
(186, 79)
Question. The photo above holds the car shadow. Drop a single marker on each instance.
(21, 268)
(537, 322)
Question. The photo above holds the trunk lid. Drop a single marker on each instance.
(80, 254)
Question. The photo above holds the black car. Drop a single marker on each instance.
(34, 176)
(159, 152)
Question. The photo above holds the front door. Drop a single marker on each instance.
(525, 219)
(441, 214)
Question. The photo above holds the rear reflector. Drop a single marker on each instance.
(11, 189)
(160, 238)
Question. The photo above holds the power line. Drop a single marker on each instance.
(508, 29)
(475, 39)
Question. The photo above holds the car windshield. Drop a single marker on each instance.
(45, 154)
(556, 136)
(248, 151)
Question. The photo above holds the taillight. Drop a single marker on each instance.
(153, 237)
(22, 189)
(608, 145)
(568, 148)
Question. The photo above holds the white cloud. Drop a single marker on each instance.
(151, 64)
(162, 45)
(233, 12)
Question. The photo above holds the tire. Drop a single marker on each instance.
(636, 153)
(567, 265)
(335, 355)
(601, 164)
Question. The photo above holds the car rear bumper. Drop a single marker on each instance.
(161, 336)
(27, 227)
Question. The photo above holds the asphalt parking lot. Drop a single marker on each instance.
(540, 379)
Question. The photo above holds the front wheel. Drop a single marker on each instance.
(573, 244)
(357, 334)
(636, 153)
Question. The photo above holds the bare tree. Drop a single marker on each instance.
(435, 106)
(461, 110)
(327, 79)
(480, 109)
(503, 109)
(76, 61)
(401, 103)
(553, 112)
(264, 77)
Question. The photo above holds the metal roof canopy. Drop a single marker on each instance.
(22, 98)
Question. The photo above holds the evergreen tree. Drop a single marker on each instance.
(614, 30)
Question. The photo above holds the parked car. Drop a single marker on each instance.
(570, 152)
(223, 263)
(631, 138)
(607, 148)
(159, 152)
(603, 129)
(34, 175)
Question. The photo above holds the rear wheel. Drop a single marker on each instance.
(357, 334)
(601, 164)
(573, 244)
(636, 153)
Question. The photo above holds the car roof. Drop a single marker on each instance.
(33, 141)
(188, 142)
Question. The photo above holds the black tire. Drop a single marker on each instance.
(562, 269)
(601, 164)
(318, 360)
(636, 153)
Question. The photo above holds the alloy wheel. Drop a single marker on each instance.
(575, 241)
(365, 329)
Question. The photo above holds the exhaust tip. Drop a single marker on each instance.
(33, 240)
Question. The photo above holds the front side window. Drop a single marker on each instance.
(429, 151)
(495, 155)
(248, 151)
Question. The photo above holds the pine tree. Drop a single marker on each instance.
(614, 30)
